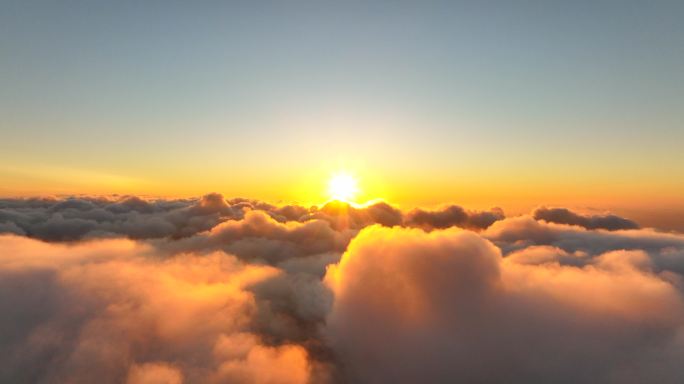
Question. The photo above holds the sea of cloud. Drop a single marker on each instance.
(209, 290)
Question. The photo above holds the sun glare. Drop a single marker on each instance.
(343, 187)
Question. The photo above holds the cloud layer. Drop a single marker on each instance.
(240, 291)
(77, 218)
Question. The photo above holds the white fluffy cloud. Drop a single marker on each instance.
(446, 306)
(116, 310)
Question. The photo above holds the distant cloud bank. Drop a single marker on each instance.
(212, 290)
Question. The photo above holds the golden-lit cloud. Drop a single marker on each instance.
(127, 289)
(446, 306)
(115, 309)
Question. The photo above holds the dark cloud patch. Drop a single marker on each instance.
(77, 218)
(452, 216)
(565, 216)
(10, 227)
(131, 204)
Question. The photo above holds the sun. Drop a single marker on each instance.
(343, 187)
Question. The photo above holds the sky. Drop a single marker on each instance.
(510, 104)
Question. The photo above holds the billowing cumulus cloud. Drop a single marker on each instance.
(259, 237)
(215, 290)
(446, 306)
(117, 311)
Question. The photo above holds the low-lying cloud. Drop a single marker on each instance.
(76, 218)
(565, 216)
(212, 290)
